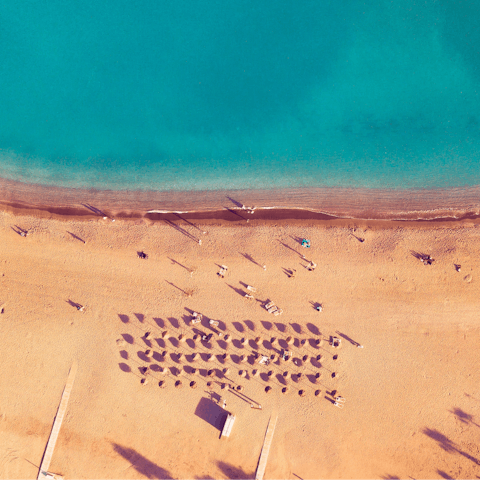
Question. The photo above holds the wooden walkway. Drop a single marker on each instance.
(262, 463)
(47, 456)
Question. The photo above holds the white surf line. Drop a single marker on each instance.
(262, 463)
(47, 456)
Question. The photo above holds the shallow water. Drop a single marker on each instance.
(235, 95)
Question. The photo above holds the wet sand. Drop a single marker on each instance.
(412, 403)
(454, 203)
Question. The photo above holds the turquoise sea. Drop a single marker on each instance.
(194, 95)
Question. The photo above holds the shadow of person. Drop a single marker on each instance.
(141, 464)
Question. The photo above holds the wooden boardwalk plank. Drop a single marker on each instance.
(262, 463)
(47, 456)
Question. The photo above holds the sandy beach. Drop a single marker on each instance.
(412, 404)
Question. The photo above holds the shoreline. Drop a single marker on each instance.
(326, 203)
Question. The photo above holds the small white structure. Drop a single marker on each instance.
(227, 427)
(264, 360)
(251, 289)
(339, 402)
(336, 342)
(223, 271)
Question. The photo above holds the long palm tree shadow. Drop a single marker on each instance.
(186, 221)
(95, 210)
(178, 288)
(464, 417)
(445, 475)
(76, 237)
(235, 202)
(141, 464)
(175, 262)
(448, 445)
(250, 258)
(290, 248)
(152, 471)
(235, 213)
(181, 230)
(234, 472)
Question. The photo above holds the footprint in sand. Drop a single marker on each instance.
(468, 278)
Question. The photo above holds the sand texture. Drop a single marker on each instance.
(412, 397)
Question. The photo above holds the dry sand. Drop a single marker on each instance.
(412, 405)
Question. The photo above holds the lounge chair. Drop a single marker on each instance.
(278, 312)
(336, 342)
(269, 305)
(223, 271)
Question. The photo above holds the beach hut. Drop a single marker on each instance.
(227, 427)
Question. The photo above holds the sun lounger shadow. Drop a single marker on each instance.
(20, 231)
(419, 255)
(289, 272)
(76, 305)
